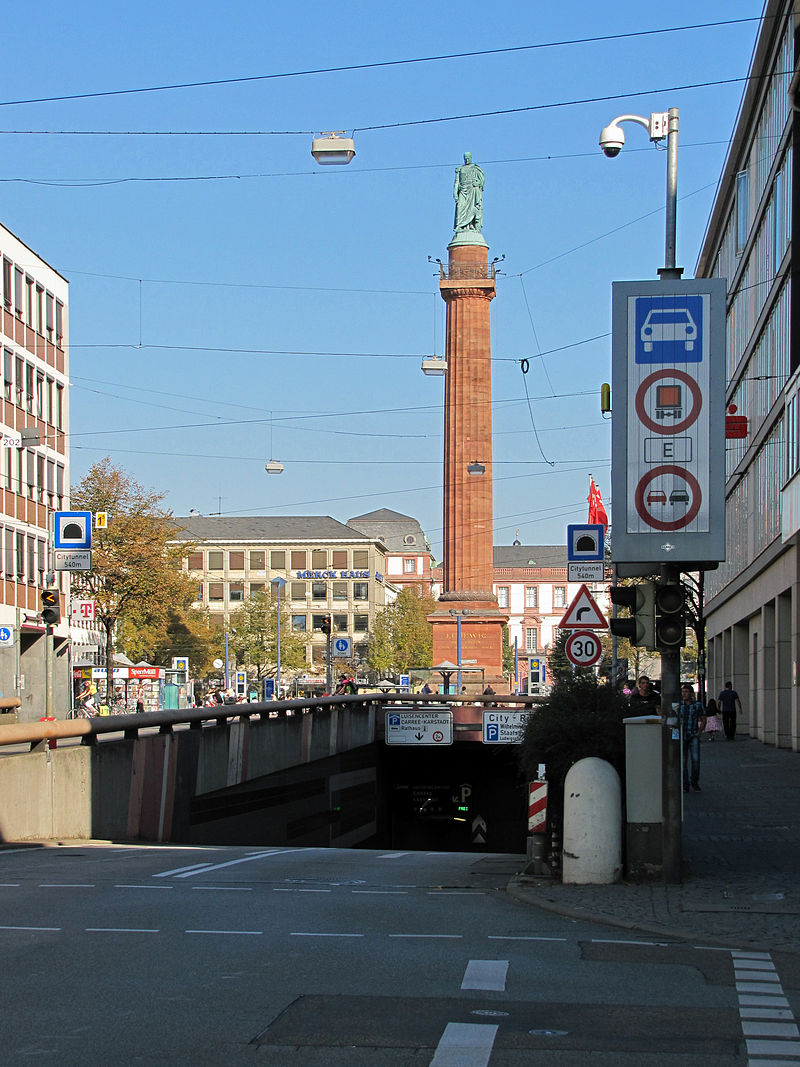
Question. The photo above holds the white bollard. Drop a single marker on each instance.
(592, 848)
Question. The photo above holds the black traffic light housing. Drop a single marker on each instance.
(670, 616)
(640, 627)
(325, 625)
(51, 608)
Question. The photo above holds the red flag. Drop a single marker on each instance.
(597, 512)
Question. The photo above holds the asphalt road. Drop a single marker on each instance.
(312, 957)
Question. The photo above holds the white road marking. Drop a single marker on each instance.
(456, 893)
(180, 870)
(66, 885)
(9, 885)
(383, 892)
(123, 886)
(452, 937)
(53, 928)
(242, 859)
(392, 855)
(300, 933)
(119, 930)
(224, 888)
(485, 974)
(465, 1045)
(766, 1018)
(245, 933)
(521, 937)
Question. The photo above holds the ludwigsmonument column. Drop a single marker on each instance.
(467, 285)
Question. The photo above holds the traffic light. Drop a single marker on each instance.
(640, 628)
(670, 617)
(51, 609)
(325, 625)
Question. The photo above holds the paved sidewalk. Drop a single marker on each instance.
(741, 859)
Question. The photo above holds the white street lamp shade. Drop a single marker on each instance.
(434, 365)
(273, 466)
(333, 147)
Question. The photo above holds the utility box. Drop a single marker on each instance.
(644, 829)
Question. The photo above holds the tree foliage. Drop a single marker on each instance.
(580, 718)
(254, 636)
(136, 573)
(401, 636)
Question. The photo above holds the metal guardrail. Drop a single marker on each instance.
(40, 734)
(453, 272)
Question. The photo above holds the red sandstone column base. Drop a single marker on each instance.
(481, 643)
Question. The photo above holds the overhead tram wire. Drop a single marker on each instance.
(380, 63)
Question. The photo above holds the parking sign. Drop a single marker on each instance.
(668, 446)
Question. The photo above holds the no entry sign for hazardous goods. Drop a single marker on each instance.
(668, 432)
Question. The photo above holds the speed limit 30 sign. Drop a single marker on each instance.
(583, 648)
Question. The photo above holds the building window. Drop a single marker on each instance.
(531, 639)
(29, 387)
(19, 382)
(39, 309)
(298, 560)
(258, 561)
(360, 590)
(257, 587)
(216, 591)
(199, 593)
(340, 590)
(49, 413)
(59, 323)
(8, 373)
(360, 559)
(559, 596)
(502, 596)
(195, 561)
(215, 561)
(319, 559)
(60, 406)
(7, 282)
(340, 558)
(20, 555)
(48, 311)
(18, 292)
(742, 210)
(277, 560)
(297, 590)
(531, 596)
(319, 590)
(316, 621)
(236, 561)
(236, 591)
(299, 622)
(409, 566)
(29, 300)
(360, 624)
(31, 546)
(340, 624)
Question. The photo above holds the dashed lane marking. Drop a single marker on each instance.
(465, 1045)
(486, 974)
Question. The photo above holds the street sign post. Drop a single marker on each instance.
(6, 637)
(583, 613)
(72, 530)
(419, 728)
(668, 443)
(84, 610)
(342, 647)
(503, 727)
(583, 648)
(585, 542)
(72, 559)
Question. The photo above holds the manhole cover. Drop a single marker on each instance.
(548, 1033)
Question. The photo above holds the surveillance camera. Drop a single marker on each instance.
(611, 140)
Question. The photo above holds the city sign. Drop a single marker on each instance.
(585, 572)
(419, 728)
(342, 647)
(585, 542)
(668, 444)
(72, 559)
(583, 613)
(583, 649)
(72, 529)
(6, 637)
(503, 727)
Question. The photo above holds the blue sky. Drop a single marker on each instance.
(255, 289)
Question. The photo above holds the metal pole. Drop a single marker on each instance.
(672, 196)
(329, 665)
(278, 670)
(671, 753)
(227, 667)
(458, 651)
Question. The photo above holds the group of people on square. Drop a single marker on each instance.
(693, 718)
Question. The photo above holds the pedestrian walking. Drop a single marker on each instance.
(713, 724)
(731, 705)
(692, 718)
(645, 698)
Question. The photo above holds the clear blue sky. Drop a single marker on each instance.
(272, 285)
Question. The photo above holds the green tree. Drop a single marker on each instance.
(580, 718)
(254, 636)
(401, 635)
(136, 571)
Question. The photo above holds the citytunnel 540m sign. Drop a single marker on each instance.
(668, 450)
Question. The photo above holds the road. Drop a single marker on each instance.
(311, 957)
